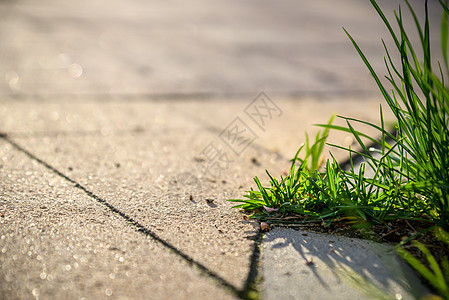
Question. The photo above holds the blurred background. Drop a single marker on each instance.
(171, 49)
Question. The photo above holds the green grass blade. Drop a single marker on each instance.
(438, 277)
(417, 265)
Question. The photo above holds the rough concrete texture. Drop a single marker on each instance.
(144, 159)
(304, 265)
(56, 243)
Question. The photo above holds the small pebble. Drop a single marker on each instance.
(264, 226)
(255, 161)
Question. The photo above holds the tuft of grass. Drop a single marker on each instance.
(411, 166)
(299, 191)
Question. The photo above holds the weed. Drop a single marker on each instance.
(411, 170)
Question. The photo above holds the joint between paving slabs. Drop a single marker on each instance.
(142, 229)
(253, 282)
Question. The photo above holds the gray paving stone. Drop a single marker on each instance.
(138, 158)
(342, 268)
(135, 47)
(282, 134)
(57, 243)
(141, 173)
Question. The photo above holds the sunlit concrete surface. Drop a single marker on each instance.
(126, 125)
(306, 265)
(177, 47)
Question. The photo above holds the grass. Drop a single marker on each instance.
(411, 178)
(435, 275)
(411, 166)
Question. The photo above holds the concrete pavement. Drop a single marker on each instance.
(307, 265)
(126, 126)
(127, 181)
(108, 49)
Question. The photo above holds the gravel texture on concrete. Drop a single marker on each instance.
(142, 165)
(57, 243)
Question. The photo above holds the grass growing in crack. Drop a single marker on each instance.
(298, 192)
(411, 166)
(411, 178)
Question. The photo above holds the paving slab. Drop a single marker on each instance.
(138, 175)
(282, 134)
(174, 48)
(298, 264)
(144, 161)
(57, 243)
(143, 174)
